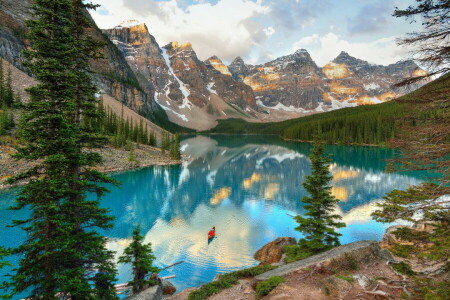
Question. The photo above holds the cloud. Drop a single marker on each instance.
(293, 15)
(226, 28)
(371, 18)
(325, 48)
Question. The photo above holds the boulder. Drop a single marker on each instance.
(273, 251)
(167, 287)
(152, 293)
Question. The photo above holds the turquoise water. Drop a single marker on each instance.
(245, 186)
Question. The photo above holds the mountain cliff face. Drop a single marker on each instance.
(112, 73)
(293, 80)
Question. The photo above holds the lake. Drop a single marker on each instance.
(246, 186)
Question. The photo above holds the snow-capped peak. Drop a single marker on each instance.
(130, 23)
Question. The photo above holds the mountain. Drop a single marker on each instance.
(112, 73)
(294, 83)
(193, 93)
(365, 124)
(171, 83)
(289, 83)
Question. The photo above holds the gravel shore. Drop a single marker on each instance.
(113, 160)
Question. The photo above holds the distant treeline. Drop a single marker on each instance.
(121, 129)
(370, 124)
(8, 100)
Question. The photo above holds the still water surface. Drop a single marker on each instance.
(245, 186)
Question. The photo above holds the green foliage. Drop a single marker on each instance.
(226, 281)
(403, 205)
(175, 152)
(319, 224)
(402, 250)
(433, 289)
(296, 252)
(63, 249)
(403, 268)
(7, 95)
(372, 124)
(141, 258)
(123, 130)
(263, 288)
(346, 278)
(3, 253)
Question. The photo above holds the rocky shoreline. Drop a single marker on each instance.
(359, 270)
(114, 160)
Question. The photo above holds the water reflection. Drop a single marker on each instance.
(245, 186)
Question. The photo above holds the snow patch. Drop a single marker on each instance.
(210, 87)
(182, 117)
(184, 90)
(129, 23)
(371, 86)
(281, 106)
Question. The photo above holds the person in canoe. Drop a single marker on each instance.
(212, 233)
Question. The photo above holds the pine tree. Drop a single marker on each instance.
(141, 258)
(3, 253)
(8, 90)
(2, 83)
(319, 224)
(175, 148)
(63, 250)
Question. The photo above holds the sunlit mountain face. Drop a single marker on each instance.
(248, 188)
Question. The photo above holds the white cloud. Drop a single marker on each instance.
(224, 29)
(325, 48)
(269, 31)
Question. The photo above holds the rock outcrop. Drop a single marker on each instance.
(152, 293)
(359, 252)
(418, 264)
(272, 252)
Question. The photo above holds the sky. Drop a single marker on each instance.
(262, 30)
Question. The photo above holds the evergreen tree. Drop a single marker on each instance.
(8, 90)
(319, 224)
(175, 148)
(141, 258)
(3, 253)
(63, 250)
(2, 83)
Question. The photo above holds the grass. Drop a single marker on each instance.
(294, 253)
(263, 288)
(346, 278)
(403, 268)
(402, 250)
(226, 281)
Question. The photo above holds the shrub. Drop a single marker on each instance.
(265, 287)
(403, 268)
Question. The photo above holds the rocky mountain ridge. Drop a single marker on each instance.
(295, 83)
(193, 93)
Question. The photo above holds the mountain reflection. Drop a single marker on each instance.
(250, 172)
(245, 186)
